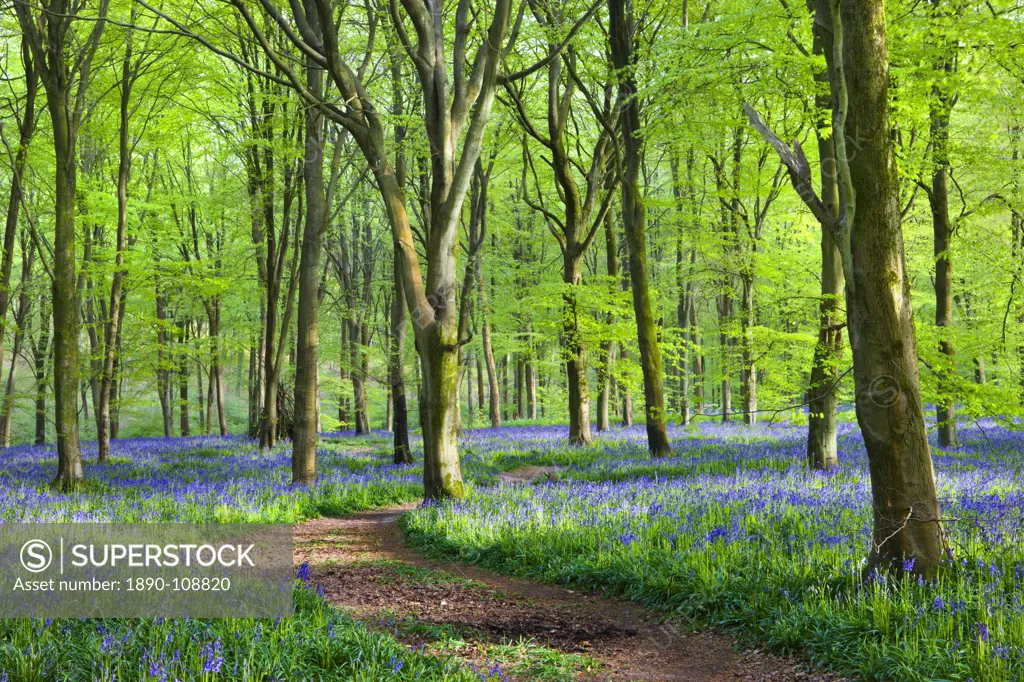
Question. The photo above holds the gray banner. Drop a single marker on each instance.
(174, 570)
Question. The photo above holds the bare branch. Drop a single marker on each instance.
(799, 169)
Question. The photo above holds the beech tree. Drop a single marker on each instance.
(63, 60)
(623, 33)
(456, 111)
(907, 521)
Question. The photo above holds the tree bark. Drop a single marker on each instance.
(163, 363)
(822, 448)
(608, 350)
(65, 99)
(907, 522)
(479, 384)
(217, 362)
(183, 372)
(627, 395)
(26, 128)
(520, 387)
(494, 395)
(41, 351)
(907, 532)
(399, 324)
(531, 388)
(634, 214)
(112, 328)
(307, 341)
(20, 319)
(575, 351)
(362, 261)
(749, 372)
(117, 381)
(65, 304)
(403, 452)
(938, 199)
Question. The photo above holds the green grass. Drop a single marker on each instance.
(318, 644)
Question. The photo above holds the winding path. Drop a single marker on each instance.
(365, 568)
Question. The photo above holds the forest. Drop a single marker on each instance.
(711, 309)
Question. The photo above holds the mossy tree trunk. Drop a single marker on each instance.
(822, 448)
(64, 64)
(907, 523)
(634, 214)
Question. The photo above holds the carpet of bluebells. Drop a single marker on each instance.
(210, 480)
(733, 529)
(203, 479)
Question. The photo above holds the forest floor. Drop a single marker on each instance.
(508, 629)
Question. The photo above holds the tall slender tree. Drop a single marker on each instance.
(623, 34)
(63, 59)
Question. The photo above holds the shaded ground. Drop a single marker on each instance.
(530, 631)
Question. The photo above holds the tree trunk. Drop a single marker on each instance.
(627, 396)
(907, 521)
(20, 319)
(698, 359)
(359, 404)
(684, 315)
(215, 382)
(112, 328)
(442, 475)
(494, 397)
(8, 405)
(938, 198)
(575, 352)
(359, 334)
(504, 386)
(608, 350)
(307, 341)
(65, 306)
(117, 379)
(634, 215)
(343, 377)
(26, 128)
(822, 448)
(725, 306)
(183, 406)
(520, 387)
(65, 97)
(749, 372)
(252, 386)
(163, 363)
(396, 374)
(205, 411)
(221, 395)
(479, 385)
(268, 420)
(41, 350)
(531, 388)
